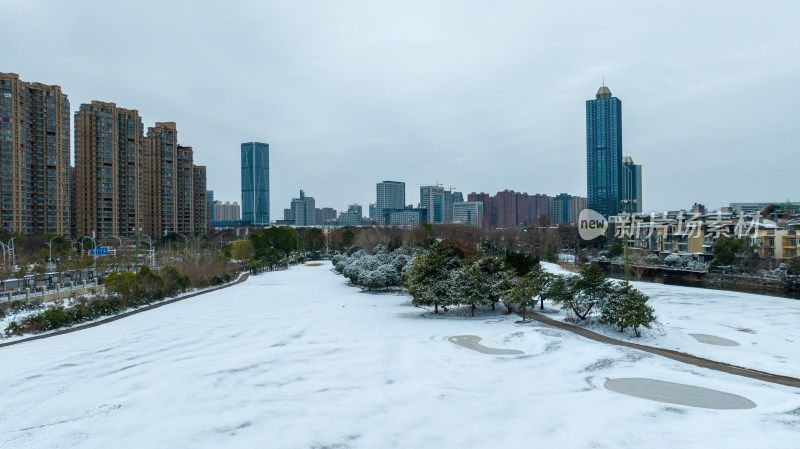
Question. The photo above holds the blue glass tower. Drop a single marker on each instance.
(255, 183)
(604, 179)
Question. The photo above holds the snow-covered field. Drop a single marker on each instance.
(298, 359)
(767, 328)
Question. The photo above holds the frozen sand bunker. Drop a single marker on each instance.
(472, 342)
(681, 394)
(713, 340)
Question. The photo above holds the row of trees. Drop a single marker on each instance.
(449, 273)
(378, 269)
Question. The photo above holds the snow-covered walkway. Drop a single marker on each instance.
(299, 359)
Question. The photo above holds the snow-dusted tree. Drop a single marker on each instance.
(523, 292)
(374, 280)
(562, 290)
(470, 286)
(540, 279)
(634, 311)
(428, 278)
(497, 276)
(627, 307)
(591, 290)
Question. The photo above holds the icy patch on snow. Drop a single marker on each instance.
(681, 394)
(713, 340)
(473, 342)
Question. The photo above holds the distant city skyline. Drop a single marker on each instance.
(348, 97)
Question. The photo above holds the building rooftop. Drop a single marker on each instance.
(603, 92)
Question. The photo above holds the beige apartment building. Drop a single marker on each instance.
(108, 170)
(34, 157)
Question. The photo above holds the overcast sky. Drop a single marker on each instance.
(481, 96)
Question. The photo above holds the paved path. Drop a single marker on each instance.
(241, 279)
(671, 354)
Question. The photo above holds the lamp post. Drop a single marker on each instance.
(13, 251)
(50, 261)
(186, 241)
(626, 204)
(136, 261)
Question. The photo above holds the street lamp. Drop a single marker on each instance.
(13, 251)
(186, 241)
(626, 204)
(50, 261)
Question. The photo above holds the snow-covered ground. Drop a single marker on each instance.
(767, 328)
(299, 359)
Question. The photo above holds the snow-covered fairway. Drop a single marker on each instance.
(298, 359)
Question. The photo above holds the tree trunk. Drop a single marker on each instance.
(541, 303)
(436, 307)
(473, 310)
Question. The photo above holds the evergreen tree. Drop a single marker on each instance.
(470, 286)
(523, 292)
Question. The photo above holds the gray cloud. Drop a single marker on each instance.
(481, 96)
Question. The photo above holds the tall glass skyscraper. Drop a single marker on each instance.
(604, 153)
(255, 183)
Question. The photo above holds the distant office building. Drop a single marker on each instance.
(227, 211)
(108, 166)
(304, 210)
(287, 215)
(255, 183)
(325, 215)
(372, 212)
(604, 153)
(389, 195)
(632, 184)
(752, 208)
(468, 213)
(35, 161)
(352, 217)
(408, 218)
(432, 199)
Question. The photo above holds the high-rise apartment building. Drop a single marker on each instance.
(160, 169)
(304, 210)
(565, 208)
(34, 157)
(255, 183)
(487, 201)
(202, 212)
(108, 170)
(210, 194)
(432, 199)
(604, 153)
(632, 185)
(390, 195)
(174, 188)
(227, 211)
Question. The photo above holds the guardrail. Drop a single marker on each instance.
(53, 293)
